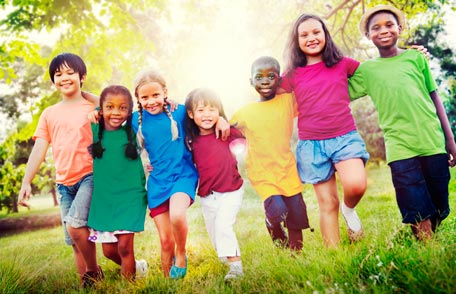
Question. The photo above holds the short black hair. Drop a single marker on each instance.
(266, 60)
(71, 60)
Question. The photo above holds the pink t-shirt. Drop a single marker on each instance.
(66, 127)
(323, 100)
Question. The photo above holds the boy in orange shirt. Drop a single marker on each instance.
(66, 127)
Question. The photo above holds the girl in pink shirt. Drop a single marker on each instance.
(317, 73)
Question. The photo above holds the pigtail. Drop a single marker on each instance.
(130, 149)
(96, 149)
(174, 129)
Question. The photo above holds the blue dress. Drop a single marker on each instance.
(173, 168)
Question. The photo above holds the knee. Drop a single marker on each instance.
(178, 221)
(329, 205)
(125, 250)
(167, 244)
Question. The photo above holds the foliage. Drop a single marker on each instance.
(388, 260)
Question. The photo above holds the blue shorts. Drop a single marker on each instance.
(421, 185)
(75, 203)
(316, 158)
(292, 210)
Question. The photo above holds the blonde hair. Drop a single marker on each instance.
(143, 78)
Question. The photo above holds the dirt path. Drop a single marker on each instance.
(9, 226)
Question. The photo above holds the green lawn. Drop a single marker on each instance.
(387, 260)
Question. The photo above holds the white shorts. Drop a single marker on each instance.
(220, 211)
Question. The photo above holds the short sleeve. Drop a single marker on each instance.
(286, 83)
(356, 85)
(42, 129)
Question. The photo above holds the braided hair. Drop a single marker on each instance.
(144, 78)
(96, 149)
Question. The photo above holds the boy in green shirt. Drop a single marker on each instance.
(418, 138)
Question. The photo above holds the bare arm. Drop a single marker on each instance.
(450, 145)
(33, 165)
(223, 128)
(94, 99)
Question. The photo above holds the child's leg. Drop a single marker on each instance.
(163, 224)
(79, 261)
(209, 207)
(111, 252)
(352, 175)
(296, 220)
(437, 174)
(80, 236)
(126, 252)
(412, 195)
(178, 205)
(276, 212)
(328, 201)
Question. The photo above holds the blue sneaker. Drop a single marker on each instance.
(178, 272)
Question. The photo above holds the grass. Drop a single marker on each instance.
(387, 260)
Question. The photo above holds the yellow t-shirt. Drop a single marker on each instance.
(268, 127)
(66, 127)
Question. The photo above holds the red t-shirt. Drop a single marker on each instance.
(216, 164)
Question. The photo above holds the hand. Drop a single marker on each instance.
(451, 150)
(94, 116)
(222, 127)
(172, 104)
(423, 50)
(149, 167)
(24, 194)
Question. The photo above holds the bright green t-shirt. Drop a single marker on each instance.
(400, 88)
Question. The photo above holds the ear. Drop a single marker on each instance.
(190, 114)
(367, 35)
(399, 28)
(251, 82)
(165, 90)
(83, 78)
(280, 80)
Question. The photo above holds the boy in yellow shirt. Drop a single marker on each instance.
(271, 166)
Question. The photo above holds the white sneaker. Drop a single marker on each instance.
(141, 268)
(354, 226)
(234, 273)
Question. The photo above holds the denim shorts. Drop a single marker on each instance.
(316, 158)
(421, 185)
(75, 203)
(291, 210)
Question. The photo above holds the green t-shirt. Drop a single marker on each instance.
(119, 196)
(400, 88)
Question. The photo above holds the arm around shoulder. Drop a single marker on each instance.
(33, 165)
(450, 145)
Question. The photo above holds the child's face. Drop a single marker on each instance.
(383, 30)
(311, 37)
(265, 79)
(67, 81)
(152, 97)
(115, 111)
(205, 117)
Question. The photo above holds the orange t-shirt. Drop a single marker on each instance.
(66, 127)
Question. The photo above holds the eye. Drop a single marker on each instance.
(272, 77)
(258, 77)
(124, 108)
